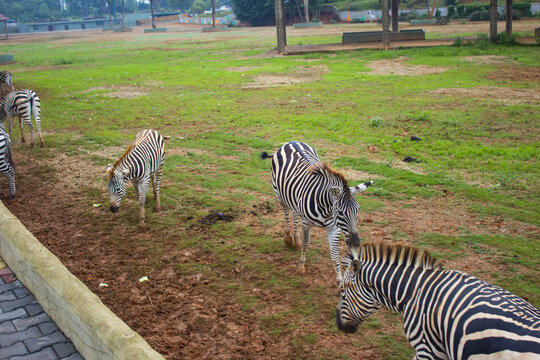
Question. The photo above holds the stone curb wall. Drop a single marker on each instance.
(96, 331)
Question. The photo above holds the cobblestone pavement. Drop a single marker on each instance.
(26, 331)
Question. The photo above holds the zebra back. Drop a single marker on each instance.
(303, 183)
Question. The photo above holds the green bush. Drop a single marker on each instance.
(505, 39)
(479, 15)
(516, 15)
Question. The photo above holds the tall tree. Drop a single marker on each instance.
(493, 17)
(152, 12)
(509, 4)
(213, 13)
(256, 12)
(385, 24)
(306, 10)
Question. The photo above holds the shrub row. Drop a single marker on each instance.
(479, 9)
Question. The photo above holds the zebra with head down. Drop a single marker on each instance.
(318, 196)
(6, 78)
(141, 162)
(447, 314)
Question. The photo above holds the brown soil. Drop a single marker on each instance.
(399, 66)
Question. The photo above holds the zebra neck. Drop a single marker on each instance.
(395, 285)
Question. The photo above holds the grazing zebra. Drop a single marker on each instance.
(316, 194)
(7, 167)
(23, 103)
(447, 314)
(140, 162)
(6, 78)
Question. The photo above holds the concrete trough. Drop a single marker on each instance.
(307, 25)
(121, 29)
(423, 21)
(155, 30)
(6, 58)
(215, 29)
(376, 36)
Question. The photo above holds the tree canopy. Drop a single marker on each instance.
(256, 12)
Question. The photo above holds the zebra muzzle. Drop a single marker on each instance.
(356, 266)
(114, 209)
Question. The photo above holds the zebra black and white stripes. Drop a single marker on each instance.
(447, 314)
(317, 195)
(141, 162)
(24, 104)
(6, 78)
(6, 162)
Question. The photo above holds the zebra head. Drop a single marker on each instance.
(345, 213)
(117, 186)
(357, 300)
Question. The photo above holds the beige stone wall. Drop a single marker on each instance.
(95, 331)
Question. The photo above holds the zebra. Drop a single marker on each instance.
(318, 196)
(141, 161)
(7, 167)
(6, 78)
(23, 103)
(448, 314)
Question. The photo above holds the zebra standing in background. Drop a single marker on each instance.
(448, 314)
(6, 78)
(318, 195)
(7, 167)
(140, 162)
(24, 104)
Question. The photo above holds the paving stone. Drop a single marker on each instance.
(64, 349)
(15, 304)
(23, 324)
(13, 350)
(76, 356)
(7, 287)
(33, 309)
(37, 344)
(48, 327)
(45, 354)
(11, 315)
(19, 336)
(21, 292)
(7, 327)
(7, 296)
(5, 271)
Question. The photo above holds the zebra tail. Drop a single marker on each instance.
(265, 155)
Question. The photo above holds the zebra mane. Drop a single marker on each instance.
(321, 168)
(398, 254)
(130, 147)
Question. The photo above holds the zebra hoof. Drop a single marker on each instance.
(288, 240)
(298, 245)
(42, 145)
(301, 269)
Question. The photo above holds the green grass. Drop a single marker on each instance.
(480, 153)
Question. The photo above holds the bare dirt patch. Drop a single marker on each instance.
(399, 66)
(489, 59)
(502, 94)
(120, 92)
(301, 75)
(241, 68)
(517, 74)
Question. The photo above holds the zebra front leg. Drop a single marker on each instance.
(155, 186)
(297, 242)
(333, 240)
(21, 128)
(306, 229)
(286, 226)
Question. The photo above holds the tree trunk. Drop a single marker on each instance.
(509, 5)
(385, 24)
(493, 17)
(152, 11)
(123, 25)
(306, 10)
(395, 14)
(213, 13)
(280, 26)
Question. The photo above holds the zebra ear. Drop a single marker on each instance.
(360, 187)
(110, 171)
(334, 192)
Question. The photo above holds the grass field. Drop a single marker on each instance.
(230, 288)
